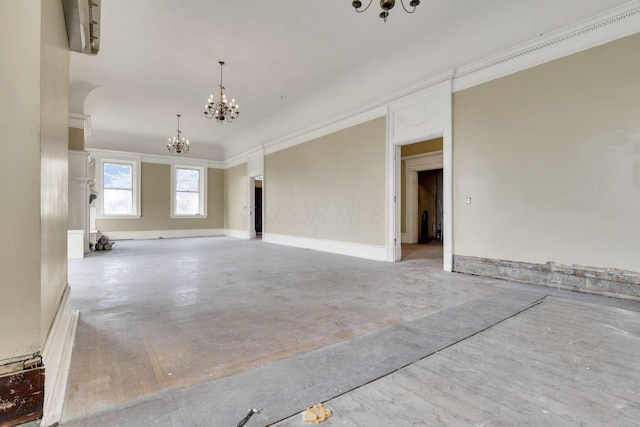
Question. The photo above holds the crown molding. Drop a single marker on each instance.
(156, 158)
(600, 29)
(325, 128)
(243, 157)
(80, 121)
(614, 24)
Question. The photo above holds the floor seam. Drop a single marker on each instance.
(531, 305)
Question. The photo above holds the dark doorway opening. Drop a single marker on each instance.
(258, 205)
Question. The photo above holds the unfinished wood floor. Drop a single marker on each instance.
(166, 315)
(161, 314)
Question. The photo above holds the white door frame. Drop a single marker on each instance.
(255, 169)
(414, 165)
(252, 207)
(413, 118)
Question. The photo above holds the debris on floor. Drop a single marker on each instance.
(317, 414)
(102, 243)
(251, 412)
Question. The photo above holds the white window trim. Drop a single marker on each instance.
(132, 160)
(202, 168)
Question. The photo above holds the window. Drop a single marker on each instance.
(119, 187)
(188, 191)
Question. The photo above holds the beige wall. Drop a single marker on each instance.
(33, 256)
(413, 150)
(550, 157)
(422, 147)
(236, 186)
(76, 139)
(20, 121)
(156, 204)
(330, 188)
(54, 139)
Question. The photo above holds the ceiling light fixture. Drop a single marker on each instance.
(386, 6)
(178, 144)
(222, 109)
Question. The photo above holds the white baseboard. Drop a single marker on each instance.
(164, 234)
(241, 234)
(56, 356)
(359, 250)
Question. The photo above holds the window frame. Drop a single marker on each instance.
(202, 190)
(134, 162)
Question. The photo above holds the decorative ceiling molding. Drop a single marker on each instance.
(155, 158)
(244, 157)
(327, 127)
(603, 28)
(600, 29)
(80, 121)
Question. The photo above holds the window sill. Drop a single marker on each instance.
(173, 216)
(118, 217)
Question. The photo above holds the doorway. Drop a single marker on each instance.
(258, 207)
(422, 202)
(430, 205)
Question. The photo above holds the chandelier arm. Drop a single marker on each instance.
(365, 9)
(407, 10)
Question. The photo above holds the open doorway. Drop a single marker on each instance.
(430, 206)
(256, 204)
(258, 207)
(422, 203)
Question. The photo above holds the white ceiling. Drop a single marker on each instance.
(289, 64)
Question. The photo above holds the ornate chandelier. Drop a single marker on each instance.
(178, 144)
(386, 6)
(221, 110)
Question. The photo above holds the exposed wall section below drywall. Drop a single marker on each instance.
(549, 160)
(331, 188)
(603, 281)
